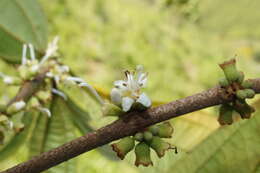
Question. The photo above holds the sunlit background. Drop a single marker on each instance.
(180, 43)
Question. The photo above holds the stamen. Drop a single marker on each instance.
(32, 52)
(24, 60)
(93, 92)
(75, 79)
(45, 110)
(59, 93)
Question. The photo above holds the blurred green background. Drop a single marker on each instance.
(180, 43)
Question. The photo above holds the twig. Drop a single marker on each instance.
(126, 126)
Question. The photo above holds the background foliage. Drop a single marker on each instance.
(179, 42)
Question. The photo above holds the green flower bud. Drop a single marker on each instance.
(241, 94)
(3, 118)
(250, 93)
(154, 129)
(243, 109)
(16, 107)
(241, 77)
(109, 109)
(139, 136)
(247, 84)
(124, 146)
(24, 72)
(223, 82)
(34, 102)
(230, 71)
(225, 114)
(44, 96)
(165, 130)
(148, 136)
(142, 153)
(159, 146)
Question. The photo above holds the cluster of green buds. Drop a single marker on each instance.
(238, 90)
(56, 74)
(148, 138)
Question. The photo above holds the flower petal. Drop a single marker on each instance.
(144, 100)
(116, 96)
(127, 102)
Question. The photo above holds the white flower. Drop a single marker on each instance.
(128, 91)
(51, 50)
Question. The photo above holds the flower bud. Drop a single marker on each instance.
(225, 114)
(247, 84)
(223, 82)
(139, 136)
(109, 109)
(148, 136)
(44, 96)
(243, 109)
(230, 71)
(159, 146)
(24, 72)
(142, 153)
(241, 94)
(154, 129)
(124, 146)
(3, 118)
(250, 93)
(34, 102)
(16, 107)
(165, 130)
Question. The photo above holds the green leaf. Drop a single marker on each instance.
(52, 132)
(80, 119)
(18, 140)
(21, 21)
(230, 149)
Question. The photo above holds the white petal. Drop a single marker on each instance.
(59, 93)
(75, 79)
(32, 53)
(24, 59)
(116, 96)
(45, 111)
(19, 105)
(120, 84)
(93, 92)
(127, 102)
(144, 100)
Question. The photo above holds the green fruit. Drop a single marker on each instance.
(241, 94)
(165, 130)
(143, 156)
(250, 93)
(154, 129)
(148, 136)
(230, 71)
(223, 82)
(139, 136)
(243, 109)
(124, 146)
(159, 146)
(225, 114)
(247, 84)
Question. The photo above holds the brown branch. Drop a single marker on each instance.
(126, 126)
(30, 87)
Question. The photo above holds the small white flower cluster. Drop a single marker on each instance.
(127, 92)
